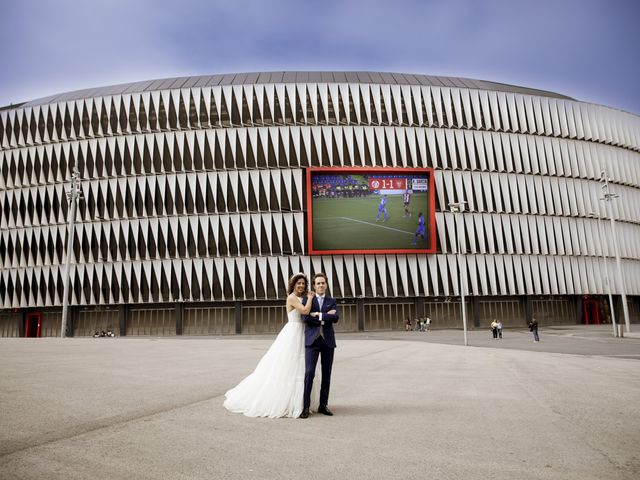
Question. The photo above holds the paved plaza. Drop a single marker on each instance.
(407, 405)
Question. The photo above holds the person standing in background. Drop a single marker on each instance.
(494, 328)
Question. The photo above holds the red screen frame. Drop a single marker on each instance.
(379, 170)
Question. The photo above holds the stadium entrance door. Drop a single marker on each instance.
(591, 311)
(32, 324)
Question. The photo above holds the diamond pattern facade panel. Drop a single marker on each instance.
(197, 193)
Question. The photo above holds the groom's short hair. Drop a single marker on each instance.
(318, 275)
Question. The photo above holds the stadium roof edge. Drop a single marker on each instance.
(385, 78)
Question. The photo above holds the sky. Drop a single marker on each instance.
(585, 49)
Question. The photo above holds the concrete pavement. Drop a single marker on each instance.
(406, 404)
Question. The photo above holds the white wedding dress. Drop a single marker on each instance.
(276, 387)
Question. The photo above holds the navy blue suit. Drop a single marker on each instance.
(319, 346)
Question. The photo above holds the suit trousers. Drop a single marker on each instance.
(320, 349)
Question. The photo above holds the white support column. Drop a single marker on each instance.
(73, 194)
(607, 197)
(457, 209)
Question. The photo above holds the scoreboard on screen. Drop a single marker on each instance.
(387, 183)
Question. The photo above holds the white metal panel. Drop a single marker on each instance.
(522, 194)
(386, 99)
(443, 274)
(513, 114)
(486, 110)
(525, 222)
(497, 194)
(442, 147)
(519, 286)
(517, 233)
(496, 139)
(485, 181)
(505, 192)
(344, 94)
(562, 116)
(507, 153)
(480, 145)
(477, 108)
(446, 101)
(451, 230)
(427, 98)
(432, 269)
(466, 107)
(461, 150)
(403, 270)
(547, 241)
(391, 268)
(507, 233)
(538, 234)
(495, 110)
(497, 230)
(571, 123)
(504, 111)
(468, 144)
(492, 284)
(416, 94)
(457, 107)
(516, 153)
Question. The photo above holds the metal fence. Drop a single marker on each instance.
(387, 316)
(90, 321)
(152, 322)
(209, 321)
(554, 311)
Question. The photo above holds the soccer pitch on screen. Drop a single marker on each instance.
(352, 223)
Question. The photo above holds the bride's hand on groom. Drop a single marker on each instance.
(332, 312)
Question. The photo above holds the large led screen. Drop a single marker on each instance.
(370, 210)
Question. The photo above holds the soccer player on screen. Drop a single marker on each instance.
(382, 208)
(420, 231)
(406, 200)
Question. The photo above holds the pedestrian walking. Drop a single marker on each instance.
(533, 328)
(499, 327)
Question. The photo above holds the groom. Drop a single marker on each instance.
(319, 340)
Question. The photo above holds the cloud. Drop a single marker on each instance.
(584, 48)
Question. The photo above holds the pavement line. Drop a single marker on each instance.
(101, 425)
(376, 224)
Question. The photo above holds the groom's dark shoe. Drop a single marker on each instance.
(325, 411)
(305, 413)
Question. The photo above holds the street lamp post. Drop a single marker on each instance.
(457, 208)
(606, 273)
(73, 194)
(607, 197)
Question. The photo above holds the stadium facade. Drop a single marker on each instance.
(193, 213)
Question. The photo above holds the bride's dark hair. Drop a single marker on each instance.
(294, 279)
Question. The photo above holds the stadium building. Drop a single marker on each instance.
(195, 195)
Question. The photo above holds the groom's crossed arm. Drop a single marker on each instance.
(329, 316)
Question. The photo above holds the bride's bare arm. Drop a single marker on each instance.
(294, 303)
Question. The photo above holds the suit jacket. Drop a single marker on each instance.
(312, 329)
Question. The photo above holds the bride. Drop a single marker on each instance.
(275, 388)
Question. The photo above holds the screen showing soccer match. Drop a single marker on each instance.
(370, 210)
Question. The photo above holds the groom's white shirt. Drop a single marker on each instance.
(320, 302)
